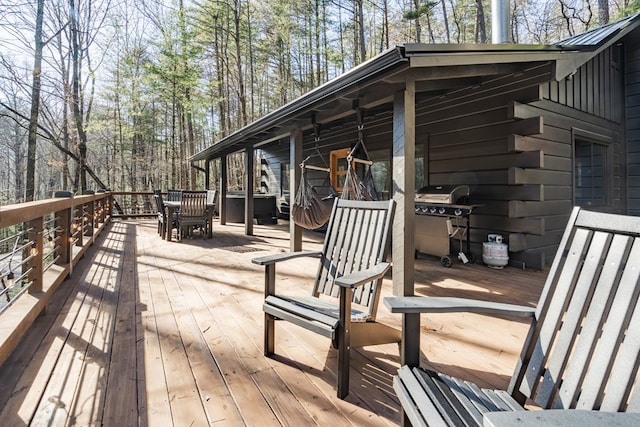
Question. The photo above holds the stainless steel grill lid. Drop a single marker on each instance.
(449, 194)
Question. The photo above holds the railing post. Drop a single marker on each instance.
(63, 229)
(109, 207)
(77, 220)
(90, 213)
(36, 226)
(103, 204)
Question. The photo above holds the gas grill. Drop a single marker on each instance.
(442, 213)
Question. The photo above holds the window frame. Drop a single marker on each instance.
(579, 136)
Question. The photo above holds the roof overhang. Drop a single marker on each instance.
(431, 67)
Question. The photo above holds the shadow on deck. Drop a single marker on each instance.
(152, 332)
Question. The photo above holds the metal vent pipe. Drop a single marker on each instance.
(500, 21)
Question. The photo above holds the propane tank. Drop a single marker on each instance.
(495, 253)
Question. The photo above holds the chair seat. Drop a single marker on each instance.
(311, 307)
(427, 395)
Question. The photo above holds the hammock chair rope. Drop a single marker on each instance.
(354, 187)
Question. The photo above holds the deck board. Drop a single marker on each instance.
(149, 332)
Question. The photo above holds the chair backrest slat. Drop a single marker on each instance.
(600, 305)
(611, 350)
(558, 359)
(357, 238)
(584, 349)
(193, 204)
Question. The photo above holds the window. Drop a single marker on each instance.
(590, 173)
(339, 167)
(420, 181)
(381, 172)
(284, 179)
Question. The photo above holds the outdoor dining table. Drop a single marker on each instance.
(173, 205)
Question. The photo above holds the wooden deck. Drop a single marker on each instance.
(150, 332)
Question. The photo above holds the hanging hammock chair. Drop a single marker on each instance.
(313, 204)
(311, 209)
(356, 188)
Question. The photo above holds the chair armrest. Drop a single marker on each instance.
(272, 259)
(417, 304)
(560, 418)
(361, 277)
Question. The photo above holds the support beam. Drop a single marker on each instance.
(223, 190)
(207, 174)
(403, 243)
(403, 161)
(295, 158)
(250, 172)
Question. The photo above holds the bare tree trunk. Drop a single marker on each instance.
(416, 4)
(342, 49)
(318, 45)
(603, 16)
(35, 106)
(360, 48)
(446, 21)
(252, 83)
(242, 97)
(76, 95)
(481, 30)
(384, 37)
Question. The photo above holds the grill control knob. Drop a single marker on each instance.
(442, 210)
(458, 212)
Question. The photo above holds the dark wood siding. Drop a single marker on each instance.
(595, 88)
(632, 86)
(514, 147)
(475, 138)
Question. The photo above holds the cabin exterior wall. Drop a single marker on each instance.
(511, 138)
(632, 109)
(512, 142)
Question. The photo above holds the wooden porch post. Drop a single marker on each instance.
(295, 158)
(223, 190)
(207, 174)
(403, 243)
(248, 190)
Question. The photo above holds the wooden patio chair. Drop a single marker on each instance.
(581, 352)
(174, 195)
(163, 221)
(212, 195)
(352, 264)
(193, 212)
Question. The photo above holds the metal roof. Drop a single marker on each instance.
(567, 55)
(601, 34)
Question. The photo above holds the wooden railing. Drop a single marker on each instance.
(41, 243)
(133, 204)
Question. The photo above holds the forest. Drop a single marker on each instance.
(119, 94)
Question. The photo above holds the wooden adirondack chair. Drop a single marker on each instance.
(582, 349)
(352, 265)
